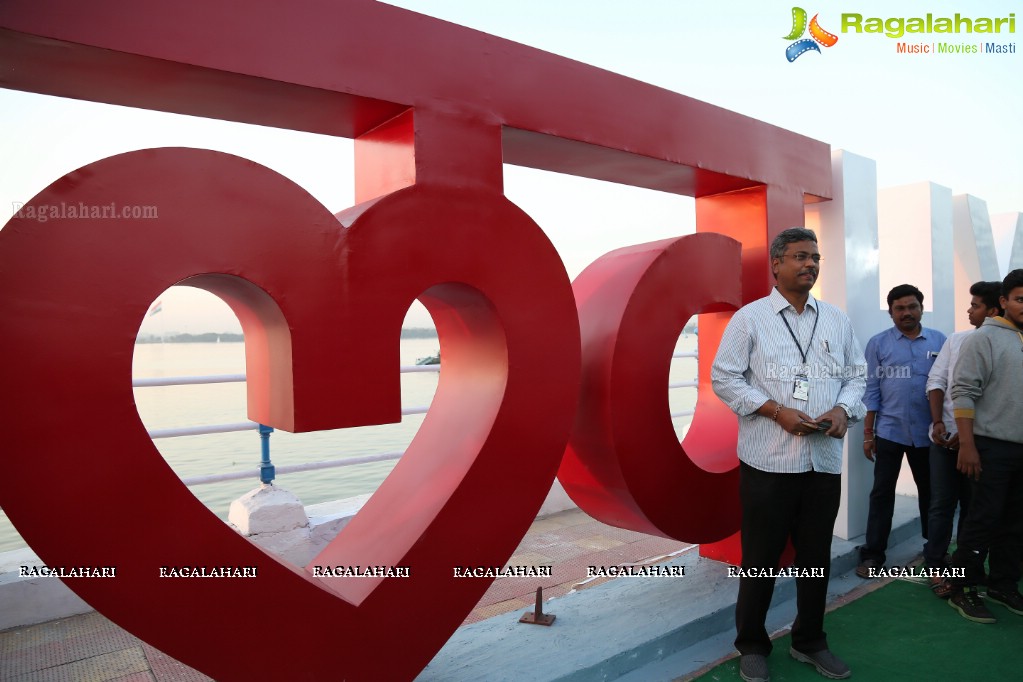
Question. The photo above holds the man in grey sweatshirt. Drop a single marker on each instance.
(987, 396)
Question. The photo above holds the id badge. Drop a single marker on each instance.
(801, 389)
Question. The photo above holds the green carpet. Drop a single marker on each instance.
(903, 632)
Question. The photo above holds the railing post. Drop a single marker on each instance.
(266, 469)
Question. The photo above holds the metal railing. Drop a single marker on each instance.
(684, 384)
(267, 471)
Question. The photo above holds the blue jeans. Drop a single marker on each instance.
(887, 463)
(948, 487)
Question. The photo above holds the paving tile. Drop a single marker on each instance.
(87, 622)
(548, 525)
(597, 542)
(497, 609)
(28, 659)
(530, 559)
(559, 553)
(33, 635)
(654, 546)
(544, 541)
(563, 519)
(102, 668)
(136, 677)
(102, 637)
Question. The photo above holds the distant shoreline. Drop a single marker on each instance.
(227, 337)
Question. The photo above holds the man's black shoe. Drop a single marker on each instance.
(1011, 600)
(970, 606)
(753, 668)
(827, 663)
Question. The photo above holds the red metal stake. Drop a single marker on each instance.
(538, 617)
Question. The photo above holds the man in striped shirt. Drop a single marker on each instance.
(793, 371)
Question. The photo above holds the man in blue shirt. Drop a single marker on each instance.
(898, 417)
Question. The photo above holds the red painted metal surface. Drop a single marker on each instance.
(743, 216)
(435, 109)
(322, 307)
(343, 68)
(624, 464)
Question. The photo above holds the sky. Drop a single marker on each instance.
(951, 119)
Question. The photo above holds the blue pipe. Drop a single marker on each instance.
(266, 469)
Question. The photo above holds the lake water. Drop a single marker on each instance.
(179, 406)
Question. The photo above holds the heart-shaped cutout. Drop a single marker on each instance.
(321, 306)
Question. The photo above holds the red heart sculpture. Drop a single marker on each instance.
(321, 307)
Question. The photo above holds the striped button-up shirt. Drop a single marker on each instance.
(758, 360)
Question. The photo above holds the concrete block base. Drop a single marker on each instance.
(31, 600)
(641, 629)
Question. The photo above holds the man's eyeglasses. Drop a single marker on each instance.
(803, 256)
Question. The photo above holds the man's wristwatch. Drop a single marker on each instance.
(848, 412)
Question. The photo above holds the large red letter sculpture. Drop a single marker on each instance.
(435, 110)
(624, 464)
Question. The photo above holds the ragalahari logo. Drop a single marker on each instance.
(817, 35)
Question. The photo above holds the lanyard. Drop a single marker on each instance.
(816, 318)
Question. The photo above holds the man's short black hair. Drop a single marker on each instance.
(988, 293)
(791, 236)
(904, 290)
(1013, 280)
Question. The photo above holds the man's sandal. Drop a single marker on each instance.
(941, 587)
